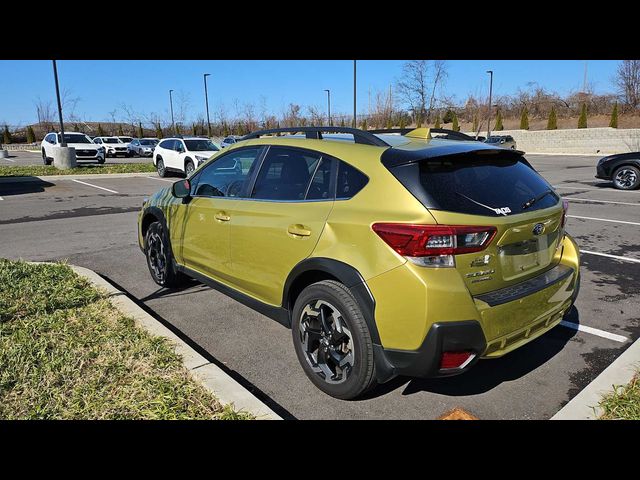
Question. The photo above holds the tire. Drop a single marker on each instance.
(339, 307)
(46, 160)
(626, 177)
(101, 160)
(189, 168)
(162, 171)
(157, 250)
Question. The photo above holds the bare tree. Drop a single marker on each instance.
(627, 80)
(419, 83)
(46, 115)
(69, 103)
(316, 115)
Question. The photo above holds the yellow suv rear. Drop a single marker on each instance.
(386, 254)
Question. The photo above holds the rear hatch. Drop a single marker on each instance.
(498, 190)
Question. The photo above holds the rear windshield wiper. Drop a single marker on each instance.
(529, 203)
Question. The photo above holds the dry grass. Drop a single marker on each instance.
(44, 170)
(623, 403)
(67, 353)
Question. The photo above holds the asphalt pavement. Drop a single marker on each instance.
(96, 228)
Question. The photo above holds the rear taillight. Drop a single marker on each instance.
(434, 245)
(565, 208)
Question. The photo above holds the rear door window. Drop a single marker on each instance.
(285, 174)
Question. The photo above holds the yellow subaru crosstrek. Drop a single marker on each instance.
(386, 254)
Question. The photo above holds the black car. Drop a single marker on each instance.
(622, 168)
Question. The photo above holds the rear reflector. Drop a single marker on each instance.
(454, 359)
(432, 240)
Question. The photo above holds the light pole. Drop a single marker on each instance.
(173, 124)
(354, 94)
(329, 104)
(206, 99)
(490, 72)
(55, 74)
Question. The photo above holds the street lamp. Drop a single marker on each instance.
(490, 72)
(354, 94)
(55, 74)
(173, 124)
(206, 99)
(329, 104)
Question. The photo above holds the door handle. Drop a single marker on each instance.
(222, 217)
(299, 230)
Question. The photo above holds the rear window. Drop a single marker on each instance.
(477, 185)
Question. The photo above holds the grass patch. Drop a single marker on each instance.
(623, 403)
(44, 170)
(67, 353)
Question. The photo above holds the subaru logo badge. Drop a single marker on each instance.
(538, 229)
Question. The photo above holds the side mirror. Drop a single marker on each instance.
(181, 188)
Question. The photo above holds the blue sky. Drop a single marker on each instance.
(103, 86)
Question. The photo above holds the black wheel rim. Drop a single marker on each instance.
(626, 178)
(326, 342)
(156, 256)
(160, 167)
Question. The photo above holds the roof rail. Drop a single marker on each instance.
(452, 134)
(359, 136)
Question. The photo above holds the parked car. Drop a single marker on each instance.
(230, 140)
(85, 148)
(622, 168)
(467, 257)
(505, 141)
(113, 146)
(182, 154)
(142, 147)
(125, 140)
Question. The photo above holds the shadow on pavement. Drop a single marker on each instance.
(22, 187)
(488, 374)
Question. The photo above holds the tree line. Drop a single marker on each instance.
(418, 97)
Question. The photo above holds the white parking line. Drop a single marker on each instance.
(604, 220)
(588, 200)
(594, 331)
(616, 257)
(1, 198)
(601, 189)
(9, 160)
(94, 186)
(161, 179)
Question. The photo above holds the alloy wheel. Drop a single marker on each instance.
(189, 169)
(625, 178)
(156, 256)
(326, 341)
(160, 167)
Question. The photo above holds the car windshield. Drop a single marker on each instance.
(76, 138)
(110, 140)
(200, 146)
(147, 142)
(126, 139)
(493, 140)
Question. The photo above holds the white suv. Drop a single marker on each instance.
(85, 148)
(113, 146)
(183, 154)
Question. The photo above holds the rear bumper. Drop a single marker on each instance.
(490, 325)
(425, 361)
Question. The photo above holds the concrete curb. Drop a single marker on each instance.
(212, 377)
(44, 178)
(584, 406)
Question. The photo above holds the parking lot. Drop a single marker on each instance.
(23, 159)
(92, 223)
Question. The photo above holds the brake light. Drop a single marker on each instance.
(434, 240)
(565, 208)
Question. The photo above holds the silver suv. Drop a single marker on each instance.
(505, 141)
